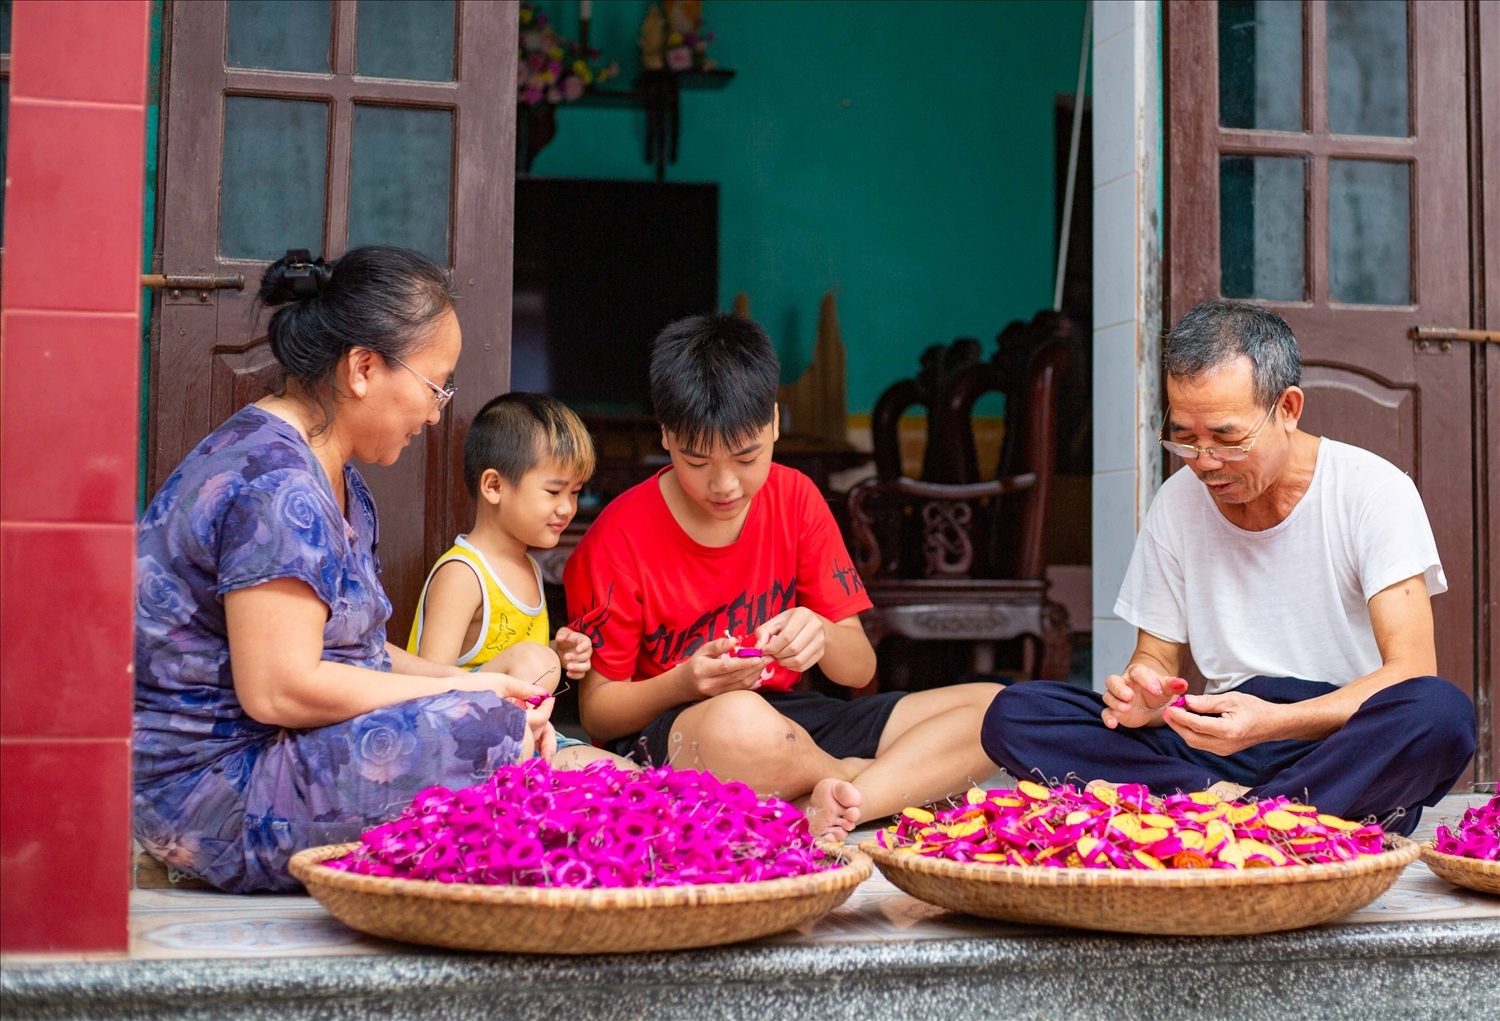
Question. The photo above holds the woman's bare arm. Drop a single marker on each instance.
(281, 678)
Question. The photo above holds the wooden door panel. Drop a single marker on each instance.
(1348, 403)
(209, 356)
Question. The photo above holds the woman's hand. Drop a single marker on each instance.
(507, 687)
(576, 652)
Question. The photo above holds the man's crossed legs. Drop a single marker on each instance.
(1404, 748)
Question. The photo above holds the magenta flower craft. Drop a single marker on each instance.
(531, 825)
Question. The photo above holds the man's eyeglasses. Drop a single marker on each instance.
(443, 394)
(1235, 452)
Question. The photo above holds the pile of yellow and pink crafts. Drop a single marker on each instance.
(1126, 827)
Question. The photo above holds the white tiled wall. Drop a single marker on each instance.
(1127, 301)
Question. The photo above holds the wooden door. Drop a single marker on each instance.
(324, 125)
(1318, 164)
(1484, 184)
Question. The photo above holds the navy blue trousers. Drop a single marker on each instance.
(1404, 748)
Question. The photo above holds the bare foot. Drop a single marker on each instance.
(832, 809)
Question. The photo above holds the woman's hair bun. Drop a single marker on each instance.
(293, 277)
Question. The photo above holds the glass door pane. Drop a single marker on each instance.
(1367, 88)
(280, 35)
(1261, 227)
(401, 178)
(274, 176)
(1369, 232)
(410, 39)
(1260, 64)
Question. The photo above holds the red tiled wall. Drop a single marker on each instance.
(69, 357)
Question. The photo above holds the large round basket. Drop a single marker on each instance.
(1173, 902)
(1470, 873)
(522, 919)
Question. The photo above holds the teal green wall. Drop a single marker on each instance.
(899, 151)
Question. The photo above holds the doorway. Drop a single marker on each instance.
(1323, 162)
(322, 125)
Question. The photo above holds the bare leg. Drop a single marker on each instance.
(739, 736)
(578, 756)
(929, 749)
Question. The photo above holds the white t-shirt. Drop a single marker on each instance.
(1290, 601)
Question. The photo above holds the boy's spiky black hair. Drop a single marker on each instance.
(714, 379)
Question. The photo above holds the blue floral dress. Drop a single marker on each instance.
(217, 794)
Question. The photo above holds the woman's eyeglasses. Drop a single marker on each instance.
(443, 394)
(1235, 452)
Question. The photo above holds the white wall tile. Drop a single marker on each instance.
(1113, 643)
(1115, 254)
(1114, 398)
(1114, 535)
(1113, 99)
(1112, 17)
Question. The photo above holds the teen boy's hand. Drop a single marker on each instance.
(576, 652)
(794, 638)
(708, 674)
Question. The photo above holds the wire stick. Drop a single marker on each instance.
(1067, 216)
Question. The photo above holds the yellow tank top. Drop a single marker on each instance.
(506, 619)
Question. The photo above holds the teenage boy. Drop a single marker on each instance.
(724, 543)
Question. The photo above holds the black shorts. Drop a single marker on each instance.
(844, 730)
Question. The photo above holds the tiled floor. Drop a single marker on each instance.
(198, 924)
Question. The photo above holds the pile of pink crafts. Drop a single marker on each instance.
(1478, 833)
(1126, 827)
(531, 825)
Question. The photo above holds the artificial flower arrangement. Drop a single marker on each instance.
(552, 69)
(1126, 827)
(531, 825)
(672, 36)
(1477, 835)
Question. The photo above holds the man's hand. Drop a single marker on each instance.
(707, 674)
(1137, 697)
(1225, 724)
(576, 652)
(794, 638)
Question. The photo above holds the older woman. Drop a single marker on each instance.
(270, 712)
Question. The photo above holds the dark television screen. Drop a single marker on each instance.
(601, 267)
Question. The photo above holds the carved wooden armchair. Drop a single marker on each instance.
(963, 560)
(940, 365)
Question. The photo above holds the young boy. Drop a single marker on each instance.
(723, 541)
(525, 459)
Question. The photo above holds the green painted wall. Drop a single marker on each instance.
(898, 150)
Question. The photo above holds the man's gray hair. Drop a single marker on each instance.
(1215, 332)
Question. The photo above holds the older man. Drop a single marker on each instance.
(1300, 571)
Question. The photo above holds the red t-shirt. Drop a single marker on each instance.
(649, 595)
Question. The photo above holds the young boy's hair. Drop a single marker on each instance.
(515, 432)
(713, 379)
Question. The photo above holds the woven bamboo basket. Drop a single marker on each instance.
(539, 920)
(1470, 873)
(1173, 902)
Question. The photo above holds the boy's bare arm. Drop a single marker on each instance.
(609, 709)
(453, 598)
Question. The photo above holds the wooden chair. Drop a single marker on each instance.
(940, 364)
(962, 560)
